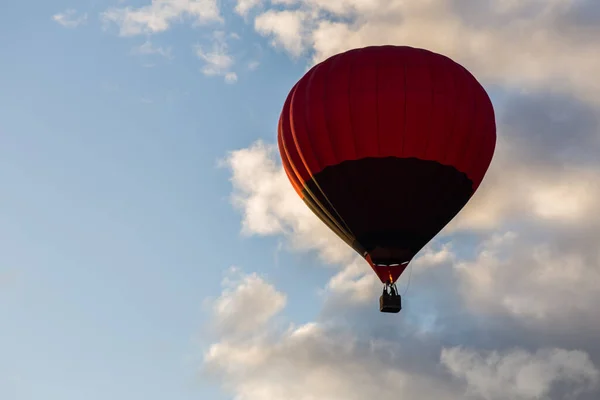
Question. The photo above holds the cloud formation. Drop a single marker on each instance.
(217, 61)
(269, 205)
(503, 302)
(520, 44)
(243, 7)
(148, 48)
(324, 360)
(533, 287)
(519, 374)
(246, 304)
(70, 18)
(158, 16)
(287, 28)
(502, 305)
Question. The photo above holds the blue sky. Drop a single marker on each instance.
(116, 219)
(120, 151)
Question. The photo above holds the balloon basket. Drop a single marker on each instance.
(390, 304)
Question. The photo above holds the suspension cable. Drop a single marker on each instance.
(409, 277)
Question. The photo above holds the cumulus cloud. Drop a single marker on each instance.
(517, 270)
(309, 363)
(356, 283)
(525, 44)
(314, 360)
(217, 61)
(545, 166)
(160, 14)
(528, 277)
(271, 207)
(521, 375)
(70, 18)
(530, 273)
(502, 304)
(324, 360)
(246, 304)
(535, 281)
(243, 7)
(148, 48)
(550, 204)
(288, 29)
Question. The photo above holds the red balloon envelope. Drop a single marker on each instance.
(386, 144)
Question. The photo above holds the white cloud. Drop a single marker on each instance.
(311, 361)
(270, 206)
(570, 200)
(217, 60)
(160, 14)
(243, 7)
(529, 278)
(287, 28)
(513, 190)
(518, 188)
(503, 307)
(542, 287)
(356, 283)
(231, 77)
(429, 258)
(521, 375)
(246, 304)
(70, 18)
(333, 361)
(522, 44)
(515, 284)
(147, 48)
(544, 283)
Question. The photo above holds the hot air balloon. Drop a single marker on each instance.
(386, 144)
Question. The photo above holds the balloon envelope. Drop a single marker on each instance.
(386, 144)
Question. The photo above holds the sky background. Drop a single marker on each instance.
(151, 246)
